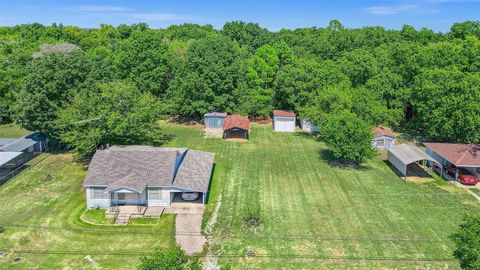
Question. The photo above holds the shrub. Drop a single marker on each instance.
(467, 243)
(172, 258)
(252, 218)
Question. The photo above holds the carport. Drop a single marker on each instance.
(401, 155)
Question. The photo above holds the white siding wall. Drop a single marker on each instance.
(93, 201)
(159, 197)
(397, 163)
(130, 197)
(383, 142)
(284, 124)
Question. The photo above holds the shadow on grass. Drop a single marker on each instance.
(311, 136)
(189, 121)
(327, 155)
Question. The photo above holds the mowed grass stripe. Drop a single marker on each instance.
(301, 194)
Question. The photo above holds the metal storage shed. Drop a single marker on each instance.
(214, 120)
(401, 155)
(284, 121)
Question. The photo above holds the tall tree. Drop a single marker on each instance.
(51, 81)
(110, 113)
(143, 59)
(445, 103)
(348, 137)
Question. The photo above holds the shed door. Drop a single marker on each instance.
(282, 124)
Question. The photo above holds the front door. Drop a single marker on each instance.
(121, 198)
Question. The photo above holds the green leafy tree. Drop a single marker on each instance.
(261, 72)
(247, 34)
(209, 79)
(446, 105)
(51, 81)
(298, 83)
(467, 243)
(348, 137)
(143, 59)
(330, 101)
(111, 113)
(169, 259)
(359, 65)
(369, 107)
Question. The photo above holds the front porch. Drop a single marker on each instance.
(121, 214)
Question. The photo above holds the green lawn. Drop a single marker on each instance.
(12, 131)
(319, 216)
(46, 230)
(314, 216)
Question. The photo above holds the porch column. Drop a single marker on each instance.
(456, 174)
(203, 197)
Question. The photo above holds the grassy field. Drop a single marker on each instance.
(314, 215)
(44, 228)
(12, 131)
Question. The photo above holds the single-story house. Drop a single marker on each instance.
(146, 175)
(284, 121)
(402, 155)
(214, 120)
(236, 127)
(455, 155)
(383, 138)
(307, 126)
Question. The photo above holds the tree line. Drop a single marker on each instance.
(90, 86)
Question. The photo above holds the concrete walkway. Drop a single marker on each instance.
(188, 232)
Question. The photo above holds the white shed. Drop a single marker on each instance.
(284, 121)
(383, 138)
(307, 126)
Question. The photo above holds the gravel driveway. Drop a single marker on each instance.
(188, 232)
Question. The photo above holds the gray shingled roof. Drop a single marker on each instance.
(136, 167)
(195, 171)
(18, 145)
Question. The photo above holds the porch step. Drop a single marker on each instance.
(122, 219)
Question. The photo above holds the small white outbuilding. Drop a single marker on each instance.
(284, 121)
(307, 126)
(383, 138)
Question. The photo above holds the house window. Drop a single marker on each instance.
(154, 194)
(99, 193)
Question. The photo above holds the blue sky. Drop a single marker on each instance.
(272, 14)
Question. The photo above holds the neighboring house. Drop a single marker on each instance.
(236, 127)
(146, 175)
(383, 138)
(307, 126)
(214, 120)
(456, 155)
(284, 121)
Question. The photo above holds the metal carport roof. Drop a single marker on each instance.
(401, 155)
(5, 157)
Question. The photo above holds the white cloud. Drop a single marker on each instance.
(408, 9)
(98, 8)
